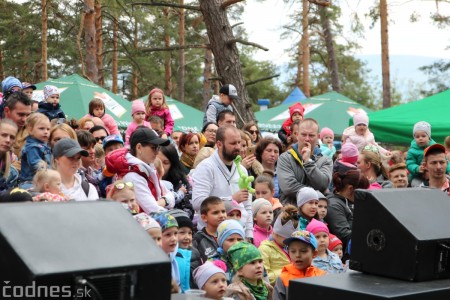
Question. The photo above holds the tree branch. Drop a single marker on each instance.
(172, 48)
(227, 3)
(261, 79)
(215, 78)
(237, 24)
(191, 7)
(232, 41)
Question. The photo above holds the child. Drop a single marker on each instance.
(262, 220)
(27, 89)
(99, 157)
(233, 210)
(273, 252)
(248, 265)
(35, 154)
(217, 104)
(327, 136)
(50, 106)
(302, 247)
(296, 112)
(265, 188)
(112, 142)
(151, 226)
(123, 192)
(335, 246)
(171, 196)
(322, 206)
(212, 212)
(156, 105)
(48, 184)
(307, 201)
(138, 114)
(325, 259)
(97, 109)
(211, 279)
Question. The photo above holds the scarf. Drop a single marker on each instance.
(259, 291)
(187, 160)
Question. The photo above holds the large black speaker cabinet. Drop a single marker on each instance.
(402, 233)
(50, 250)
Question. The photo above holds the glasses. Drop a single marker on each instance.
(254, 131)
(100, 138)
(121, 185)
(211, 130)
(371, 148)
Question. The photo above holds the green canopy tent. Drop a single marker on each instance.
(395, 124)
(330, 110)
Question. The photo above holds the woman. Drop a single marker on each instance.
(209, 131)
(252, 128)
(267, 152)
(340, 207)
(8, 174)
(189, 146)
(59, 132)
(369, 163)
(136, 165)
(67, 160)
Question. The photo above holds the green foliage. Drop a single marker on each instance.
(438, 74)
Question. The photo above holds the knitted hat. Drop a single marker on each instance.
(146, 221)
(316, 226)
(326, 131)
(306, 194)
(285, 230)
(243, 253)
(231, 206)
(349, 153)
(227, 228)
(422, 126)
(137, 106)
(303, 236)
(50, 90)
(322, 196)
(204, 272)
(334, 241)
(182, 218)
(296, 108)
(258, 204)
(361, 118)
(9, 82)
(165, 220)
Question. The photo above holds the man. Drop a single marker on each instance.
(398, 175)
(300, 167)
(99, 133)
(217, 104)
(226, 117)
(217, 176)
(435, 163)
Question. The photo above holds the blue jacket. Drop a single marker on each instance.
(52, 112)
(34, 152)
(11, 181)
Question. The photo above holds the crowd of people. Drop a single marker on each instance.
(239, 215)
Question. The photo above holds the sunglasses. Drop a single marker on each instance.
(121, 185)
(100, 138)
(254, 131)
(371, 148)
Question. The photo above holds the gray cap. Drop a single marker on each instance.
(68, 147)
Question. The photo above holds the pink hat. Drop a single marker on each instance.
(349, 153)
(316, 226)
(50, 90)
(334, 241)
(361, 118)
(137, 106)
(326, 131)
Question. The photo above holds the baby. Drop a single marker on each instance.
(47, 183)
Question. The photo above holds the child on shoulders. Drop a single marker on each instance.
(296, 112)
(50, 106)
(138, 115)
(97, 109)
(327, 137)
(156, 105)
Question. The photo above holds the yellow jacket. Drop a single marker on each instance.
(274, 259)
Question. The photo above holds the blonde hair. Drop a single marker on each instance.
(375, 160)
(111, 188)
(7, 156)
(84, 120)
(63, 127)
(148, 103)
(99, 152)
(42, 177)
(35, 118)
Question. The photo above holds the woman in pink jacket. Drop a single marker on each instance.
(156, 105)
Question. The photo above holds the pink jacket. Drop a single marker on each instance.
(110, 123)
(260, 234)
(350, 136)
(131, 128)
(163, 113)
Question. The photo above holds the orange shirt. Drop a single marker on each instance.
(290, 272)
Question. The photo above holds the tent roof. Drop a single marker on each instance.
(295, 96)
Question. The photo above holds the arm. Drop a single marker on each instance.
(168, 122)
(110, 124)
(319, 173)
(265, 253)
(282, 135)
(203, 183)
(211, 114)
(289, 184)
(249, 223)
(411, 163)
(144, 196)
(35, 159)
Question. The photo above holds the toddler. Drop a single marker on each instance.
(50, 106)
(296, 113)
(35, 154)
(123, 192)
(265, 188)
(233, 210)
(262, 220)
(138, 114)
(48, 184)
(307, 203)
(156, 105)
(325, 259)
(151, 226)
(335, 246)
(211, 278)
(327, 137)
(97, 109)
(222, 102)
(248, 282)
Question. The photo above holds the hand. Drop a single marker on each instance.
(330, 146)
(240, 196)
(421, 169)
(306, 152)
(164, 136)
(248, 161)
(183, 189)
(161, 202)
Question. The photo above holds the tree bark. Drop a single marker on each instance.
(89, 38)
(99, 41)
(167, 60)
(2, 76)
(181, 54)
(385, 71)
(332, 62)
(207, 74)
(115, 58)
(135, 77)
(305, 49)
(226, 56)
(44, 35)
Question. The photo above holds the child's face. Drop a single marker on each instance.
(139, 117)
(296, 116)
(99, 111)
(338, 250)
(112, 146)
(216, 214)
(264, 216)
(226, 100)
(28, 92)
(360, 129)
(322, 241)
(252, 271)
(157, 100)
(156, 235)
(235, 215)
(262, 190)
(88, 125)
(53, 99)
(127, 197)
(169, 239)
(301, 254)
(54, 185)
(328, 140)
(41, 130)
(309, 209)
(215, 286)
(184, 237)
(231, 240)
(322, 208)
(421, 138)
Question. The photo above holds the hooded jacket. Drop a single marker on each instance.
(350, 136)
(50, 110)
(213, 108)
(274, 259)
(205, 244)
(285, 130)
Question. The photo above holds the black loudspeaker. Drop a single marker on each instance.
(402, 233)
(78, 250)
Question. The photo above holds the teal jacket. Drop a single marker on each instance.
(414, 158)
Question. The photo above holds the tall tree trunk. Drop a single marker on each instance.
(99, 41)
(207, 74)
(134, 90)
(167, 60)
(385, 71)
(332, 62)
(226, 55)
(2, 74)
(181, 53)
(305, 48)
(115, 57)
(44, 34)
(89, 38)
(299, 77)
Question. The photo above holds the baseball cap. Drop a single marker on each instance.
(113, 138)
(27, 85)
(68, 147)
(433, 147)
(230, 90)
(145, 135)
(303, 236)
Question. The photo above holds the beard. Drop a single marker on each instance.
(229, 155)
